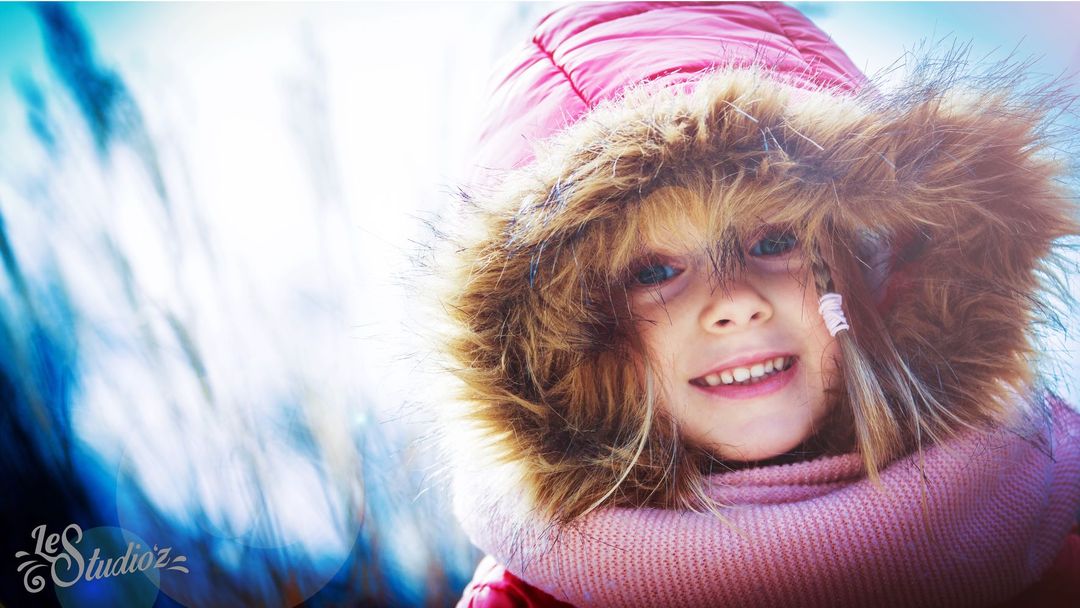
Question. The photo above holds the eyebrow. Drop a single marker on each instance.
(654, 256)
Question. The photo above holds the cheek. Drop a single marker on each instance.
(824, 371)
(657, 355)
(832, 364)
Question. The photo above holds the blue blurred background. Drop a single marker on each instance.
(207, 213)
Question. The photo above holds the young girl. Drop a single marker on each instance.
(732, 327)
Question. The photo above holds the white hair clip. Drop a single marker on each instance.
(829, 307)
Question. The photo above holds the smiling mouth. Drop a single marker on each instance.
(744, 375)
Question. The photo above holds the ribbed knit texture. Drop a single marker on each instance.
(991, 516)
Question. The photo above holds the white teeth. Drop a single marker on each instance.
(747, 375)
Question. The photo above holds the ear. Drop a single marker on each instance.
(877, 261)
(889, 263)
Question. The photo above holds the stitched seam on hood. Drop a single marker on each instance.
(565, 74)
(767, 7)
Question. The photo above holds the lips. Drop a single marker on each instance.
(745, 372)
(763, 385)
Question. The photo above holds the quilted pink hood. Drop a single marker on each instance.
(583, 55)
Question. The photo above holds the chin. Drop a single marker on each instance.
(761, 448)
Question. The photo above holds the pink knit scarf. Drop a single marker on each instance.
(997, 508)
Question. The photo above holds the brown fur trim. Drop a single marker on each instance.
(539, 336)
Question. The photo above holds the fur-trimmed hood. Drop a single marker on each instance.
(745, 112)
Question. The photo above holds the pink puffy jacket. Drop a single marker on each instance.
(582, 55)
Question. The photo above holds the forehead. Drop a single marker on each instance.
(673, 220)
(678, 220)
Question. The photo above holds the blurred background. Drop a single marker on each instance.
(207, 219)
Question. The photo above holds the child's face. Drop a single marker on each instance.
(706, 338)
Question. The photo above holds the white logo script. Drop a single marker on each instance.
(67, 565)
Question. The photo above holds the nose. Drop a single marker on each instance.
(734, 307)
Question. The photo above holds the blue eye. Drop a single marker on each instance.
(773, 244)
(655, 274)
